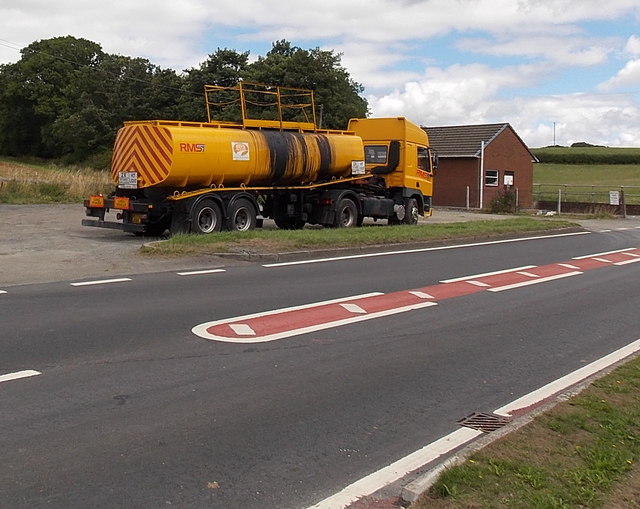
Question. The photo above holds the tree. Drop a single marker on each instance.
(224, 68)
(65, 98)
(336, 94)
(37, 91)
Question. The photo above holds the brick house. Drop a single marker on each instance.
(476, 161)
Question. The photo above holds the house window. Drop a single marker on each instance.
(491, 178)
(509, 178)
(375, 154)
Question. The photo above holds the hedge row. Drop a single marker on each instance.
(587, 155)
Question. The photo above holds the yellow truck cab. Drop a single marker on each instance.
(398, 151)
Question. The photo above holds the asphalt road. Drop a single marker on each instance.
(132, 409)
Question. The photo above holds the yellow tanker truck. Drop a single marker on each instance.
(272, 162)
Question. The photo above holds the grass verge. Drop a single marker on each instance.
(277, 241)
(582, 453)
(35, 183)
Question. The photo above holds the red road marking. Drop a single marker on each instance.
(283, 323)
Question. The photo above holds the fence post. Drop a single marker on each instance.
(559, 200)
(467, 197)
(623, 203)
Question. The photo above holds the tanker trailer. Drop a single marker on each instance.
(203, 177)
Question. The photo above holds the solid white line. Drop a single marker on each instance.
(568, 380)
(102, 282)
(603, 254)
(420, 250)
(19, 374)
(431, 452)
(400, 468)
(199, 272)
(497, 272)
(533, 281)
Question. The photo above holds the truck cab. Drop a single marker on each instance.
(398, 151)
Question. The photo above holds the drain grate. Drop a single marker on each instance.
(484, 422)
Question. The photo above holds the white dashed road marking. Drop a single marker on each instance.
(19, 374)
(102, 282)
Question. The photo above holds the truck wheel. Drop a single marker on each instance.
(346, 214)
(411, 212)
(206, 217)
(242, 216)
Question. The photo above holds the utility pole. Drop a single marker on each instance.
(554, 134)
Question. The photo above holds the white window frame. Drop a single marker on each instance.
(491, 178)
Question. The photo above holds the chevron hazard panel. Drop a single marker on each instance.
(144, 149)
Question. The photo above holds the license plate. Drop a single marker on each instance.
(128, 180)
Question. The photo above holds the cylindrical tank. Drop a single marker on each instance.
(184, 155)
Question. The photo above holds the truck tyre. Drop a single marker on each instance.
(242, 216)
(206, 217)
(411, 211)
(346, 214)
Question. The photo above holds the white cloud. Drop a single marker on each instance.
(471, 95)
(567, 50)
(456, 95)
(633, 45)
(629, 75)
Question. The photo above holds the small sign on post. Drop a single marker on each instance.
(614, 197)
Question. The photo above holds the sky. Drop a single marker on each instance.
(559, 71)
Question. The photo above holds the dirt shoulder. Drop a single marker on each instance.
(46, 243)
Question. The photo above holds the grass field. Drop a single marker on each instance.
(610, 175)
(586, 183)
(47, 183)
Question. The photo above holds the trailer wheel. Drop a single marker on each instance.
(206, 217)
(346, 214)
(242, 216)
(411, 211)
